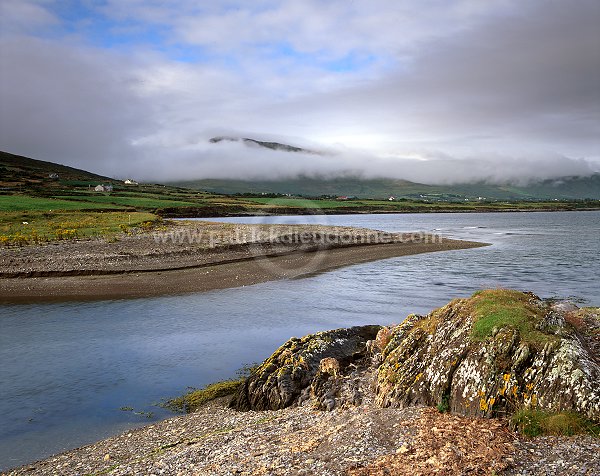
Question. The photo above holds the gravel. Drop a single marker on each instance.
(357, 441)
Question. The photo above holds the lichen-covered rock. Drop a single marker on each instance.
(494, 352)
(289, 373)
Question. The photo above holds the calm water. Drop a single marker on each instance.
(66, 369)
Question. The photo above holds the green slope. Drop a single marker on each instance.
(312, 187)
(16, 169)
(20, 174)
(567, 188)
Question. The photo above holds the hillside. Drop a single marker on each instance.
(564, 188)
(19, 173)
(16, 170)
(568, 188)
(42, 201)
(34, 185)
(312, 187)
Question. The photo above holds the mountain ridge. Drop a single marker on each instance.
(565, 188)
(266, 144)
(17, 169)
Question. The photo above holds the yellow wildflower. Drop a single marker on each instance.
(534, 400)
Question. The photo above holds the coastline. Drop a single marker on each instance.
(358, 441)
(226, 271)
(283, 211)
(361, 433)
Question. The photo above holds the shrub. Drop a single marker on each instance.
(536, 423)
(191, 401)
(444, 405)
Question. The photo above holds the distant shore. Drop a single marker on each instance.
(208, 212)
(196, 257)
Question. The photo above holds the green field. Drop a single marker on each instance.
(13, 203)
(401, 205)
(67, 208)
(133, 201)
(303, 203)
(567, 188)
(332, 204)
(30, 227)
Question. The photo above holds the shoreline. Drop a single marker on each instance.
(177, 214)
(359, 211)
(223, 273)
(359, 434)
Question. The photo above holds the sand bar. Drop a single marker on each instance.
(138, 267)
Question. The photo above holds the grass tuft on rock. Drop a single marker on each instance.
(533, 423)
(496, 308)
(191, 401)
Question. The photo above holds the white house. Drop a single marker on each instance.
(103, 188)
(130, 182)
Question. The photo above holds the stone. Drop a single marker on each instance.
(280, 380)
(532, 357)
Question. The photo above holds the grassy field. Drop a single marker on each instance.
(305, 203)
(132, 201)
(79, 215)
(332, 204)
(13, 203)
(67, 207)
(410, 205)
(569, 188)
(30, 227)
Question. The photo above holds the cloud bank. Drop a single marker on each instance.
(430, 91)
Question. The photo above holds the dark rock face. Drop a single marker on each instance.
(533, 354)
(288, 374)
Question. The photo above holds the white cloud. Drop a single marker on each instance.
(22, 16)
(481, 90)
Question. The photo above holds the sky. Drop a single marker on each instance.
(434, 91)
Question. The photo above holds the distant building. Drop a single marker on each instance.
(130, 182)
(103, 188)
(392, 198)
(342, 198)
(53, 176)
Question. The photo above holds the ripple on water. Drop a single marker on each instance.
(68, 368)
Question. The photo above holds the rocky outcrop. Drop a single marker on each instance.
(493, 353)
(290, 373)
(489, 355)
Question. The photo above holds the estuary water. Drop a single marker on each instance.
(73, 373)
